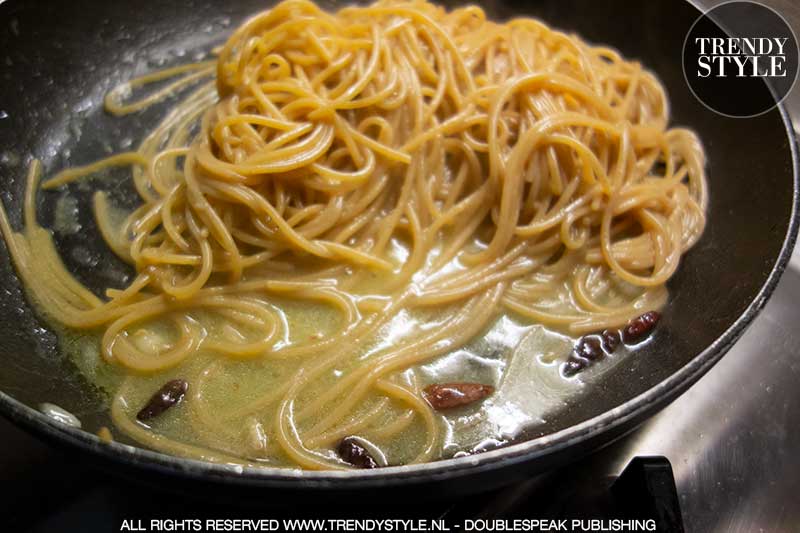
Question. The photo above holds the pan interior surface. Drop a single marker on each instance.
(60, 59)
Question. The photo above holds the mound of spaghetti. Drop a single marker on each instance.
(395, 159)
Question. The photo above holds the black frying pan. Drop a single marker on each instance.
(58, 58)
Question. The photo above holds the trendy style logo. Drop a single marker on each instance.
(740, 59)
(759, 57)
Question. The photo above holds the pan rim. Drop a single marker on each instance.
(652, 399)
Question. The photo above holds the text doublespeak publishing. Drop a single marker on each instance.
(390, 525)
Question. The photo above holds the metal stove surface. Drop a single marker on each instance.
(733, 438)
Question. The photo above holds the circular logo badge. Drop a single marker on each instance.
(740, 59)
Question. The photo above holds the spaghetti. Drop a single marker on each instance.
(382, 161)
